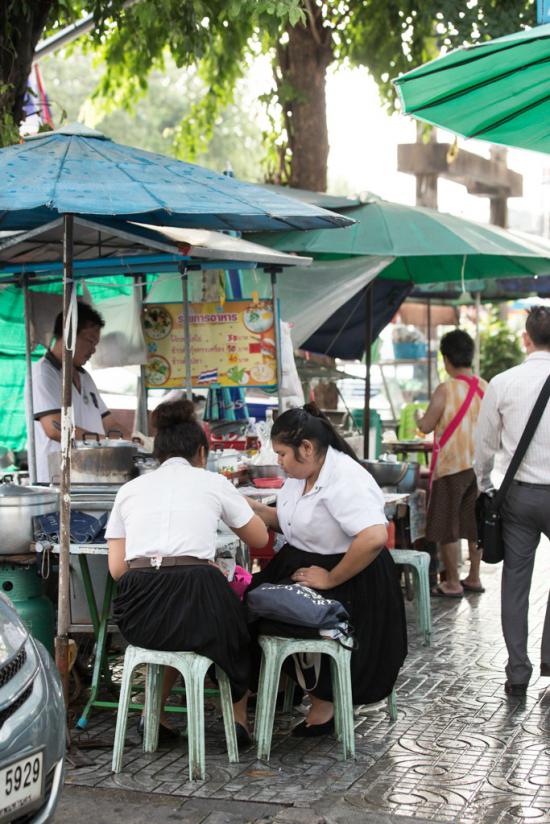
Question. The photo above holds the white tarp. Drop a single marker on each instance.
(308, 298)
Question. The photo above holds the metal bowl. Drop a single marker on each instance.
(267, 471)
(386, 473)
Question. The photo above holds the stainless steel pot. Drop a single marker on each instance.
(95, 461)
(145, 464)
(18, 506)
(267, 471)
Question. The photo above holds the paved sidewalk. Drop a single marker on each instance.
(460, 751)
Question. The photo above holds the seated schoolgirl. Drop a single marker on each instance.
(162, 544)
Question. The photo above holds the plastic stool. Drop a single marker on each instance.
(420, 564)
(275, 650)
(193, 668)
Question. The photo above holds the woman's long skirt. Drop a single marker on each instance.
(186, 609)
(374, 601)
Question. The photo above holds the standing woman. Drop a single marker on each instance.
(162, 544)
(331, 512)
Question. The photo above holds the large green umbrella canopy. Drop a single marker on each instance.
(426, 246)
(497, 91)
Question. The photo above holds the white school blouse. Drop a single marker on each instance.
(175, 511)
(345, 500)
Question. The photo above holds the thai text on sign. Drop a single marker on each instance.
(231, 345)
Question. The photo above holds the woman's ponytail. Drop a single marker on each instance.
(309, 423)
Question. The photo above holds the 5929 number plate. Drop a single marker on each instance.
(21, 785)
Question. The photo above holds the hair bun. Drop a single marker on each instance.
(314, 410)
(173, 413)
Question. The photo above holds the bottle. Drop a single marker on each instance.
(212, 461)
(251, 436)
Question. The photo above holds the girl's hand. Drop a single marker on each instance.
(313, 576)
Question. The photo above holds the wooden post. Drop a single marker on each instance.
(63, 607)
(368, 362)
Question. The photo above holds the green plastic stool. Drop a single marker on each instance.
(420, 565)
(193, 668)
(275, 650)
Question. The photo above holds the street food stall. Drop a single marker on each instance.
(76, 171)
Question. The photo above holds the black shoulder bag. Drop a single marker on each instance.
(488, 517)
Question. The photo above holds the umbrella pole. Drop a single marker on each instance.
(63, 618)
(478, 337)
(29, 406)
(186, 333)
(429, 336)
(276, 328)
(142, 418)
(368, 363)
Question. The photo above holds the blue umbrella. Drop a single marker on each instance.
(79, 171)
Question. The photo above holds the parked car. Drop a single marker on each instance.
(32, 725)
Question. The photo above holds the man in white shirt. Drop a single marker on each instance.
(505, 409)
(90, 414)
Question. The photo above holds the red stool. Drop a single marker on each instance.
(265, 553)
(390, 543)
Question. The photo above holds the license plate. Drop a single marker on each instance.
(21, 785)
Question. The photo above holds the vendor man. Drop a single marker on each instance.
(90, 414)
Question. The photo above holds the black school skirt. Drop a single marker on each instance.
(374, 601)
(186, 609)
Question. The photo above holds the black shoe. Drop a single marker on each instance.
(314, 731)
(243, 736)
(545, 670)
(515, 689)
(167, 735)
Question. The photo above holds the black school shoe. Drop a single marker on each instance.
(515, 689)
(167, 735)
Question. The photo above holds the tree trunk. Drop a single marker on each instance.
(22, 24)
(302, 65)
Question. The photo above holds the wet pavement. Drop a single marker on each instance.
(460, 751)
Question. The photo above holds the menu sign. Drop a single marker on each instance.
(231, 345)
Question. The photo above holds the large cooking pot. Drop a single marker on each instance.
(97, 461)
(18, 506)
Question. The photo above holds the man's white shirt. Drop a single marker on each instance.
(505, 410)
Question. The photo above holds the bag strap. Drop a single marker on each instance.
(455, 422)
(524, 441)
(453, 425)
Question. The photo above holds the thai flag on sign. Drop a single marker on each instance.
(208, 376)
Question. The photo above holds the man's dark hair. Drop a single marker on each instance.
(537, 326)
(458, 347)
(86, 317)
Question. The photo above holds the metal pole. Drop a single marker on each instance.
(276, 327)
(429, 336)
(29, 406)
(477, 354)
(142, 418)
(63, 611)
(187, 334)
(369, 305)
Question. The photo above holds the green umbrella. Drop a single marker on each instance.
(427, 246)
(498, 90)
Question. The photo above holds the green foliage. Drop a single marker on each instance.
(157, 116)
(500, 348)
(221, 37)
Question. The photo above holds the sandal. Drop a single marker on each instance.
(440, 593)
